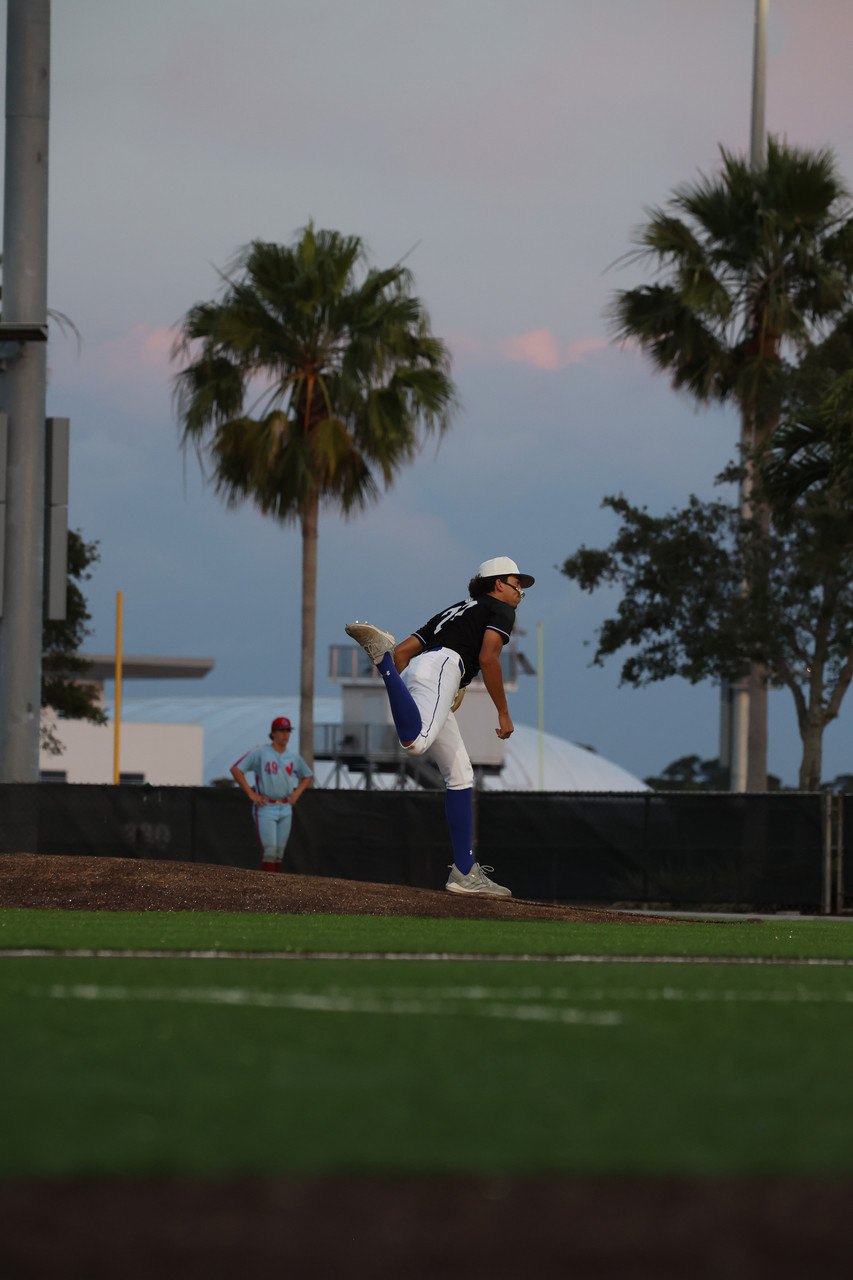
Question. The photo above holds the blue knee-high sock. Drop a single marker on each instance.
(404, 709)
(460, 818)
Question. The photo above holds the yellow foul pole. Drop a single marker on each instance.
(117, 739)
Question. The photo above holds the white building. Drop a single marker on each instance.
(161, 754)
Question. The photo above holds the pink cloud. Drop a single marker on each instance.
(130, 368)
(143, 349)
(537, 347)
(540, 348)
(154, 344)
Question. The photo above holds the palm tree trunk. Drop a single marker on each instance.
(310, 523)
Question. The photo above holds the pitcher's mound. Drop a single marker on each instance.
(130, 884)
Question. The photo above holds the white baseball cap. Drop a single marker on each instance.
(500, 566)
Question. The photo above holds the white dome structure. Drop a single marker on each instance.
(566, 767)
(233, 725)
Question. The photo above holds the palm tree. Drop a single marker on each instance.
(752, 264)
(348, 380)
(810, 452)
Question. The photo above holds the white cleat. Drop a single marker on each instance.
(475, 882)
(374, 642)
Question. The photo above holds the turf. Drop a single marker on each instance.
(126, 1067)
(188, 1067)
(247, 931)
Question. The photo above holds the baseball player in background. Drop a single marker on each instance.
(280, 778)
(425, 678)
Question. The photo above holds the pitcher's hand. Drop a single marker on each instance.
(505, 725)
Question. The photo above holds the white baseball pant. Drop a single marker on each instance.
(433, 679)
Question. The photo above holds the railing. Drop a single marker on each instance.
(350, 662)
(371, 749)
(357, 743)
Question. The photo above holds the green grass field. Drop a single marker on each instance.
(247, 931)
(119, 1066)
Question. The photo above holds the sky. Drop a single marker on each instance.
(507, 149)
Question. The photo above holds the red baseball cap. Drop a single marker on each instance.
(280, 722)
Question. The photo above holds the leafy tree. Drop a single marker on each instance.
(842, 782)
(691, 773)
(347, 378)
(63, 680)
(683, 611)
(751, 264)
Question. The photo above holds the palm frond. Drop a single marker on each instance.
(352, 377)
(674, 337)
(751, 267)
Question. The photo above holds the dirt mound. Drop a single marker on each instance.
(128, 884)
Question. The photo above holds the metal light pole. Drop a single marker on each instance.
(756, 750)
(746, 712)
(117, 709)
(540, 669)
(23, 362)
(757, 137)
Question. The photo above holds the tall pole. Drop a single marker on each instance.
(756, 750)
(117, 708)
(541, 682)
(748, 695)
(757, 136)
(23, 367)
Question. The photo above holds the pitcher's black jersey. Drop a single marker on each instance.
(462, 627)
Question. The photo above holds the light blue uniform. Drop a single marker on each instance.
(277, 775)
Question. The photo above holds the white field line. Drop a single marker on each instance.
(532, 1004)
(333, 1002)
(646, 995)
(799, 994)
(17, 953)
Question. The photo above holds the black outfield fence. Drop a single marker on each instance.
(681, 849)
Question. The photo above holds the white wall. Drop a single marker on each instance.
(166, 754)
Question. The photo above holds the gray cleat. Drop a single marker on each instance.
(374, 642)
(475, 882)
